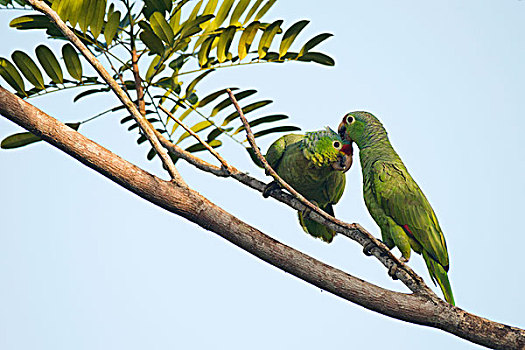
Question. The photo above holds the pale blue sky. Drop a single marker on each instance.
(85, 264)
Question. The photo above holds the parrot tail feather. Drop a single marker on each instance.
(439, 275)
(316, 229)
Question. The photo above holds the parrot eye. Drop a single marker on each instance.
(349, 119)
(337, 144)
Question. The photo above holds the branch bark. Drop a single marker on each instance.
(415, 308)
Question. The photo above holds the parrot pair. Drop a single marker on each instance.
(314, 166)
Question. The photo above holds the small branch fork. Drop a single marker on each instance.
(145, 126)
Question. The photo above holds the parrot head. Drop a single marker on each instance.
(327, 146)
(359, 127)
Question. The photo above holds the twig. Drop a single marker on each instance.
(201, 141)
(131, 107)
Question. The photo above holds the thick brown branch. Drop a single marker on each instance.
(183, 201)
(139, 118)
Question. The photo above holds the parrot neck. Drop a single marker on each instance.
(377, 149)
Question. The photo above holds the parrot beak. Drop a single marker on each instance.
(342, 132)
(343, 163)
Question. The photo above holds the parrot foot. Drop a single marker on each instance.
(269, 188)
(392, 272)
(368, 247)
(306, 212)
(403, 259)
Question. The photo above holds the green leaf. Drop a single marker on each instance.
(126, 119)
(61, 7)
(25, 138)
(152, 41)
(196, 128)
(151, 154)
(238, 11)
(195, 26)
(275, 130)
(177, 63)
(161, 28)
(216, 133)
(290, 35)
(175, 22)
(263, 120)
(31, 22)
(317, 57)
(154, 68)
(245, 110)
(213, 96)
(226, 102)
(89, 92)
(210, 7)
(204, 52)
(75, 12)
(195, 11)
(264, 9)
(267, 37)
(111, 27)
(98, 18)
(159, 5)
(50, 64)
(167, 83)
(272, 57)
(193, 98)
(223, 12)
(247, 38)
(73, 65)
(252, 11)
(316, 40)
(191, 86)
(29, 69)
(225, 41)
(88, 11)
(199, 147)
(10, 74)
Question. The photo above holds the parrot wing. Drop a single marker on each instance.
(276, 151)
(335, 186)
(402, 199)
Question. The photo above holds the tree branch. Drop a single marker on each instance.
(145, 126)
(183, 201)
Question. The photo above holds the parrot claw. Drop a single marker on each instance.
(269, 188)
(368, 247)
(403, 259)
(392, 272)
(306, 212)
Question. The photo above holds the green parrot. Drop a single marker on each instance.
(314, 165)
(394, 200)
